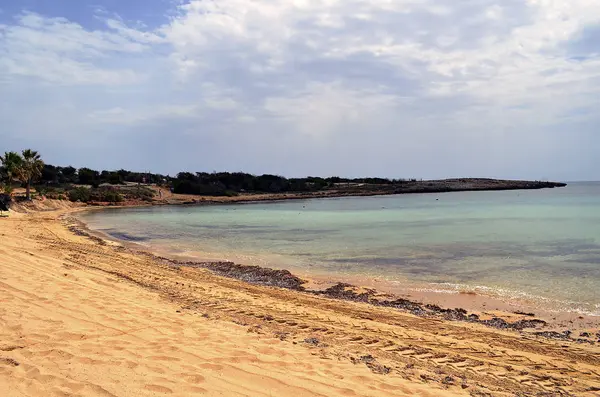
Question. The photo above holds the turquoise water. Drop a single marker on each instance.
(542, 244)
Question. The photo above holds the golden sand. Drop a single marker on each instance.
(83, 318)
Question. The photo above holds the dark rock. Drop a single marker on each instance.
(448, 380)
(312, 341)
(5, 201)
(373, 365)
(367, 359)
(379, 369)
(524, 314)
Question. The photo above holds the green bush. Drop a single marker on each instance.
(111, 197)
(50, 192)
(85, 195)
(82, 194)
(41, 190)
(106, 195)
(138, 193)
(114, 197)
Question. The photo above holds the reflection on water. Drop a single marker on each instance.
(544, 243)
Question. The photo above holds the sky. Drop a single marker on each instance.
(392, 88)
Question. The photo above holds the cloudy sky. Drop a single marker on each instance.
(396, 88)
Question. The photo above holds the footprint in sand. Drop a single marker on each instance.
(195, 378)
(196, 389)
(129, 364)
(158, 389)
(156, 370)
(214, 367)
(163, 358)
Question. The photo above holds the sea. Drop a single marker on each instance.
(535, 245)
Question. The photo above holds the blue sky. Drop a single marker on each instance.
(406, 88)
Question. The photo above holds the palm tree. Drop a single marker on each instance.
(31, 169)
(11, 162)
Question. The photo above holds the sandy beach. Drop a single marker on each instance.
(86, 317)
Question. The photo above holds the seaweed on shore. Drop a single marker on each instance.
(252, 274)
(79, 229)
(340, 291)
(347, 292)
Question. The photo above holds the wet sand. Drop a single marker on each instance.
(81, 316)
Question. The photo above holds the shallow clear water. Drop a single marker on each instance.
(543, 243)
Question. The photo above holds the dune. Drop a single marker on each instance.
(84, 317)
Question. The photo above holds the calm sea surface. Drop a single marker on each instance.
(542, 245)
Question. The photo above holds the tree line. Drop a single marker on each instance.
(28, 169)
(227, 183)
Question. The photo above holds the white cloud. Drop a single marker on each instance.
(505, 56)
(60, 51)
(326, 110)
(123, 116)
(276, 34)
(360, 72)
(133, 35)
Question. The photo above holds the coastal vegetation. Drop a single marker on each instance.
(85, 184)
(25, 167)
(202, 183)
(88, 185)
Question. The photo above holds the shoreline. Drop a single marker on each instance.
(166, 197)
(455, 305)
(91, 317)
